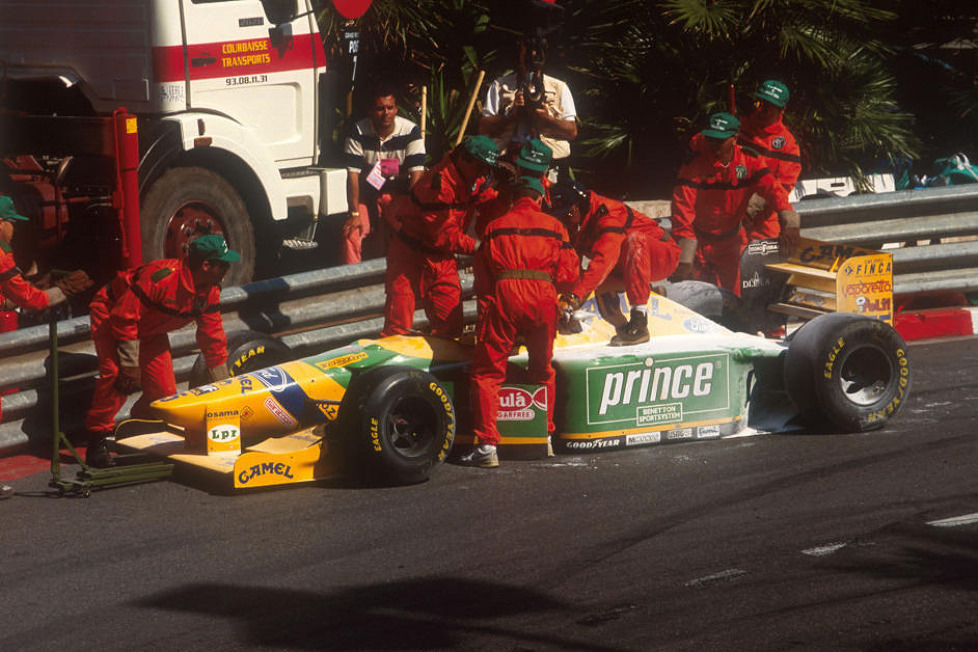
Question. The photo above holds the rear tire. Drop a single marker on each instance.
(849, 370)
(402, 424)
(188, 202)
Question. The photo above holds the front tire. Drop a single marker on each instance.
(189, 202)
(247, 351)
(402, 424)
(849, 370)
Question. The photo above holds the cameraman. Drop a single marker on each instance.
(528, 104)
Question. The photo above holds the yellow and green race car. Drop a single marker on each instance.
(395, 408)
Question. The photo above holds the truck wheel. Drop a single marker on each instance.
(402, 422)
(188, 202)
(848, 370)
(247, 351)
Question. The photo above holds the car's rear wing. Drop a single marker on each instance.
(816, 279)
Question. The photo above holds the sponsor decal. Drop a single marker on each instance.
(274, 378)
(203, 389)
(650, 415)
(707, 432)
(809, 298)
(540, 398)
(901, 390)
(257, 21)
(516, 415)
(245, 383)
(778, 143)
(657, 311)
(279, 413)
(868, 266)
(741, 172)
(516, 404)
(680, 433)
(658, 391)
(698, 325)
(329, 410)
(221, 414)
(869, 305)
(875, 287)
(375, 435)
(643, 439)
(247, 412)
(280, 469)
(244, 357)
(594, 444)
(342, 360)
(826, 254)
(755, 281)
(762, 247)
(224, 434)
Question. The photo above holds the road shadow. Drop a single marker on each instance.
(425, 613)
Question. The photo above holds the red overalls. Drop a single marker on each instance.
(783, 157)
(709, 204)
(629, 244)
(524, 253)
(14, 287)
(430, 224)
(137, 310)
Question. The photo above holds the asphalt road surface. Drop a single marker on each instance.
(862, 542)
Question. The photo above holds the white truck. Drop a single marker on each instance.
(222, 96)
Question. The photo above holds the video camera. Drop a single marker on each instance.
(534, 57)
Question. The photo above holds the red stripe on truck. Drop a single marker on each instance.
(233, 58)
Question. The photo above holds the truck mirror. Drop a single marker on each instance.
(280, 11)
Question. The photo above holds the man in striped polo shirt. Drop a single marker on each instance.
(384, 154)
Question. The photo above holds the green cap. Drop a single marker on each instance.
(8, 212)
(722, 126)
(535, 156)
(482, 148)
(774, 92)
(532, 183)
(212, 247)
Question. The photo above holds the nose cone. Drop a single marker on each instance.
(270, 402)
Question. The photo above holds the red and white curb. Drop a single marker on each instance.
(937, 322)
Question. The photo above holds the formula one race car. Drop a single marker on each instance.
(394, 407)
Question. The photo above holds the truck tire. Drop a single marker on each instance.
(402, 424)
(188, 202)
(247, 351)
(848, 370)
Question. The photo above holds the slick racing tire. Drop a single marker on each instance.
(401, 422)
(247, 351)
(850, 371)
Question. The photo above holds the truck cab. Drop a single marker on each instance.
(226, 101)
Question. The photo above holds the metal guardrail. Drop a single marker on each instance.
(313, 311)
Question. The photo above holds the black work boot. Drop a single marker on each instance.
(636, 331)
(97, 454)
